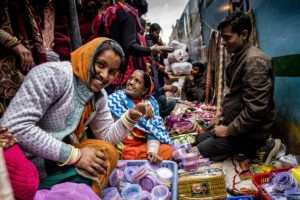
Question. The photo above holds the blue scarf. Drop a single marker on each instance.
(119, 103)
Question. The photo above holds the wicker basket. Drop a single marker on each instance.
(195, 185)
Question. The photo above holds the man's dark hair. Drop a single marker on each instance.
(238, 21)
(154, 27)
(200, 65)
(140, 5)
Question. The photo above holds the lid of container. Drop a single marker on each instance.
(121, 164)
(148, 182)
(112, 196)
(115, 177)
(187, 163)
(187, 146)
(178, 146)
(141, 172)
(145, 195)
(152, 167)
(131, 191)
(160, 192)
(129, 171)
(108, 192)
(165, 173)
(190, 155)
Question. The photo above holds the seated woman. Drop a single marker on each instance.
(54, 106)
(149, 139)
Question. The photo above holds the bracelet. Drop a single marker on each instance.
(78, 158)
(129, 124)
(75, 153)
(7, 40)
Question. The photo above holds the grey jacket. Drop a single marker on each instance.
(248, 107)
(47, 108)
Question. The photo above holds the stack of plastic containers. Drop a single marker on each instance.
(143, 181)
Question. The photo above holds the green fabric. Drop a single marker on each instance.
(69, 175)
(184, 138)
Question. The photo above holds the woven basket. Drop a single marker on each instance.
(195, 185)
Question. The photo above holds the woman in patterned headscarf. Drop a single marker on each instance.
(149, 139)
(57, 102)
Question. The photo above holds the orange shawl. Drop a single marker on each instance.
(82, 61)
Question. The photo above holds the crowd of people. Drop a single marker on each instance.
(67, 110)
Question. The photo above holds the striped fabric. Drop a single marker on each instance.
(119, 103)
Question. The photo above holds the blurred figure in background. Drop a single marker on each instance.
(194, 85)
(21, 44)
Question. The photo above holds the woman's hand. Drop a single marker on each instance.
(25, 56)
(171, 88)
(92, 161)
(139, 110)
(161, 68)
(155, 49)
(153, 157)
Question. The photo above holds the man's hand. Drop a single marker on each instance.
(191, 78)
(220, 131)
(92, 161)
(214, 121)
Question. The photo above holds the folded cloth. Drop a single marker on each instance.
(68, 190)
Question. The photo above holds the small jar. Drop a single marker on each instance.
(148, 182)
(178, 146)
(178, 153)
(160, 192)
(191, 165)
(122, 164)
(165, 176)
(108, 193)
(203, 162)
(113, 196)
(115, 177)
(140, 173)
(145, 195)
(180, 165)
(128, 173)
(132, 192)
(190, 157)
(187, 146)
(152, 167)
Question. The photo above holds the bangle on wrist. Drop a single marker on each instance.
(78, 158)
(75, 153)
(127, 123)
